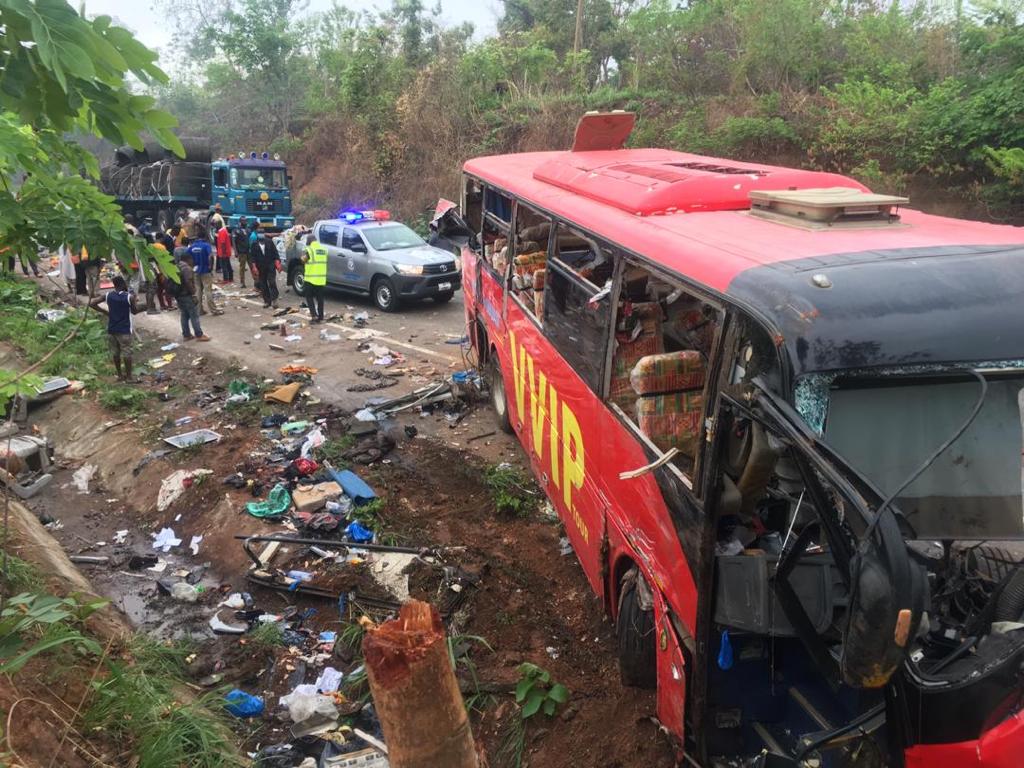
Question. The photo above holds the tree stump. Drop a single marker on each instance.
(415, 692)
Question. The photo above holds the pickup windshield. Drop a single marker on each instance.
(391, 237)
(886, 427)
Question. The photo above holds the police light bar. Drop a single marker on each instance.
(353, 216)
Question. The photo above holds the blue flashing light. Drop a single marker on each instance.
(352, 216)
(266, 155)
(252, 155)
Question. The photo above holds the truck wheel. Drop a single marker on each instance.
(384, 294)
(444, 298)
(636, 632)
(496, 386)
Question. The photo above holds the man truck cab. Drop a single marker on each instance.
(256, 187)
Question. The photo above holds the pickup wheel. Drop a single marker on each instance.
(636, 633)
(298, 280)
(499, 400)
(384, 294)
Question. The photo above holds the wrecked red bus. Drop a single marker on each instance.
(780, 418)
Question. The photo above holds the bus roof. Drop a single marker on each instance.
(974, 280)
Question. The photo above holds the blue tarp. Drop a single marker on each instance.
(353, 486)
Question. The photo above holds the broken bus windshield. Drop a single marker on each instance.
(886, 427)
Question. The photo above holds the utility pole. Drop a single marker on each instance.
(577, 43)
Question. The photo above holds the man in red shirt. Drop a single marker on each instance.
(223, 243)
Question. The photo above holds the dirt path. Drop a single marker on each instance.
(529, 602)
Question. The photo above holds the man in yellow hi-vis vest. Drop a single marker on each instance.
(315, 261)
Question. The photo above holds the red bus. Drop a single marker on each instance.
(781, 419)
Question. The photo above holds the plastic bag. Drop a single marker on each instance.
(313, 440)
(304, 702)
(305, 467)
(277, 503)
(241, 704)
(358, 533)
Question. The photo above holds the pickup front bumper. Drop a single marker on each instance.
(425, 286)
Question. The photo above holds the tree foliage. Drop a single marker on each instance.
(63, 74)
(880, 89)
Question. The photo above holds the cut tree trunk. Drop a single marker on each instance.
(415, 692)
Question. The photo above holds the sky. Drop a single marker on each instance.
(150, 26)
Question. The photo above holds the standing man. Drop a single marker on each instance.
(91, 268)
(263, 253)
(315, 269)
(216, 218)
(241, 243)
(222, 239)
(187, 301)
(202, 258)
(120, 308)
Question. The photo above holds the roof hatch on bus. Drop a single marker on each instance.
(653, 182)
(826, 208)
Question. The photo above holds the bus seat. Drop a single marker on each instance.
(670, 398)
(629, 350)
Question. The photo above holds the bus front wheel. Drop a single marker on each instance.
(499, 400)
(636, 633)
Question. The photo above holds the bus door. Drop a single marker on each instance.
(558, 329)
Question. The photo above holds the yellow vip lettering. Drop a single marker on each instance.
(538, 397)
(518, 374)
(573, 459)
(553, 437)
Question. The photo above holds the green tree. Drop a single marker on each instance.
(61, 74)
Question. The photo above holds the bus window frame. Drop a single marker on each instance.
(464, 206)
(510, 267)
(691, 480)
(695, 481)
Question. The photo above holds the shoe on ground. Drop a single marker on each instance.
(189, 338)
(219, 312)
(204, 337)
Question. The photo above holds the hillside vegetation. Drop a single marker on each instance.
(383, 108)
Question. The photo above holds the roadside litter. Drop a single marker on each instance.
(175, 484)
(195, 437)
(277, 503)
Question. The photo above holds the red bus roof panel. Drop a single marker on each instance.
(648, 182)
(714, 248)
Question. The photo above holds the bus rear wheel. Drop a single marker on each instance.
(636, 633)
(499, 401)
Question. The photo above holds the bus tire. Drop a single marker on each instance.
(636, 636)
(499, 398)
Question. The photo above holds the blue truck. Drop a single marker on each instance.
(159, 189)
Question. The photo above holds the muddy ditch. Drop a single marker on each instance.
(508, 594)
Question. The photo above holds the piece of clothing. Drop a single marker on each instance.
(92, 277)
(316, 264)
(202, 257)
(253, 237)
(226, 270)
(267, 283)
(263, 251)
(119, 312)
(243, 265)
(188, 281)
(163, 292)
(204, 283)
(189, 315)
(120, 344)
(315, 300)
(241, 238)
(223, 243)
(80, 283)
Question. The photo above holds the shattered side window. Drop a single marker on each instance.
(576, 326)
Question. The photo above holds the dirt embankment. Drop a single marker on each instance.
(529, 602)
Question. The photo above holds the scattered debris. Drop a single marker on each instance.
(83, 476)
(195, 437)
(165, 540)
(175, 484)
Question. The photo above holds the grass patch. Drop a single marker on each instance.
(266, 637)
(21, 576)
(510, 490)
(85, 357)
(140, 702)
(333, 450)
(124, 398)
(369, 516)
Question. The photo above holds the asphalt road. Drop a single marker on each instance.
(418, 333)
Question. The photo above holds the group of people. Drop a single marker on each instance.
(199, 249)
